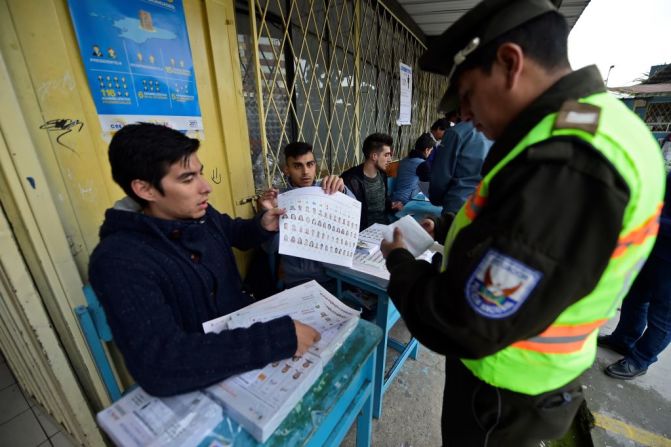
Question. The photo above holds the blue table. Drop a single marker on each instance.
(385, 317)
(323, 417)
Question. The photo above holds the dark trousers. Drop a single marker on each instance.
(645, 320)
(478, 414)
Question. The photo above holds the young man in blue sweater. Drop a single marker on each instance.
(165, 265)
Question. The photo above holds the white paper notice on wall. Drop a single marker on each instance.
(405, 100)
(319, 226)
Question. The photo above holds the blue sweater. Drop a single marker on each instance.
(159, 280)
(411, 170)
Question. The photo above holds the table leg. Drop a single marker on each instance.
(415, 352)
(382, 320)
(364, 426)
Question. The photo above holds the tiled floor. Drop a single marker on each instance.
(23, 422)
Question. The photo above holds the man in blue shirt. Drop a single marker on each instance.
(455, 171)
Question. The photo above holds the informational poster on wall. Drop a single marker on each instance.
(405, 108)
(138, 62)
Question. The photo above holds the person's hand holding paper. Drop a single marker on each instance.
(406, 233)
(397, 242)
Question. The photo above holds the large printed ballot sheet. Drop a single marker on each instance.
(259, 400)
(141, 420)
(319, 226)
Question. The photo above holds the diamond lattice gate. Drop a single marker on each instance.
(327, 72)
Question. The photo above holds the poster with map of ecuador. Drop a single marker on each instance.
(137, 59)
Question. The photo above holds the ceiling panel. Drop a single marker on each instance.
(434, 17)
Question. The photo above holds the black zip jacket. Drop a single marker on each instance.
(354, 181)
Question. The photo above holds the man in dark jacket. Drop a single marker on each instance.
(436, 133)
(368, 181)
(165, 265)
(543, 251)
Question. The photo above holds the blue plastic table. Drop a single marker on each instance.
(385, 317)
(341, 395)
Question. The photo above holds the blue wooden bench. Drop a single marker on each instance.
(96, 331)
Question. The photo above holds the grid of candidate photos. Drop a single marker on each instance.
(318, 226)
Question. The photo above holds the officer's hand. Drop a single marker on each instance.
(270, 221)
(332, 183)
(396, 206)
(306, 336)
(429, 225)
(268, 199)
(387, 246)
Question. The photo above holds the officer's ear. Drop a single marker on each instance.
(510, 57)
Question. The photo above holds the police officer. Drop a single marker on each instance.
(544, 250)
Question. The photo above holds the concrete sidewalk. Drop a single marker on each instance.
(629, 412)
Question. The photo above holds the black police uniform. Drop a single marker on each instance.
(566, 202)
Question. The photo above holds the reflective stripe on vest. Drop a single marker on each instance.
(568, 346)
(474, 203)
(561, 338)
(639, 235)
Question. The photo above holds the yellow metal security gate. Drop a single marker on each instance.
(327, 72)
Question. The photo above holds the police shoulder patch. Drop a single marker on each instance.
(577, 115)
(500, 285)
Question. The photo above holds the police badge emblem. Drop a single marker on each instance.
(500, 285)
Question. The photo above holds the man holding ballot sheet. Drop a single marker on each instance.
(542, 253)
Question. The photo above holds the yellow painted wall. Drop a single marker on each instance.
(59, 191)
(39, 44)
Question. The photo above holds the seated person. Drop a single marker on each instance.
(300, 168)
(368, 181)
(165, 265)
(412, 170)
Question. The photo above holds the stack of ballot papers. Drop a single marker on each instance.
(368, 262)
(140, 420)
(258, 400)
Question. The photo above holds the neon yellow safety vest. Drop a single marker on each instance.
(568, 346)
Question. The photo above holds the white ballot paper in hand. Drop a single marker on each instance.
(319, 226)
(416, 238)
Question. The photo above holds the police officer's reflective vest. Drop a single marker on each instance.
(568, 346)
